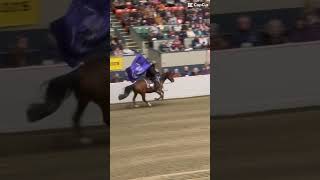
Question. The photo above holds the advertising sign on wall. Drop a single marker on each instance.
(19, 12)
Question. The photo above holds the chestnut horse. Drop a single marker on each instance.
(88, 83)
(141, 87)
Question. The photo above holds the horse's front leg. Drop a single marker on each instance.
(160, 95)
(82, 104)
(144, 99)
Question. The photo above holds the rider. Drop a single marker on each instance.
(153, 74)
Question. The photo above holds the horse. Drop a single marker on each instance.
(141, 87)
(88, 83)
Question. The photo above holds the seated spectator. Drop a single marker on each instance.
(197, 31)
(159, 20)
(164, 46)
(299, 33)
(196, 43)
(177, 45)
(117, 52)
(245, 36)
(116, 78)
(313, 27)
(204, 42)
(18, 55)
(274, 33)
(190, 33)
(176, 73)
(165, 70)
(195, 71)
(186, 71)
(154, 29)
(219, 42)
(116, 43)
(172, 20)
(205, 70)
(182, 35)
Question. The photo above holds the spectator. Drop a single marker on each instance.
(196, 43)
(195, 71)
(165, 70)
(313, 27)
(116, 78)
(115, 43)
(204, 42)
(275, 33)
(154, 29)
(176, 44)
(117, 52)
(186, 71)
(164, 46)
(205, 70)
(299, 33)
(176, 73)
(219, 43)
(182, 35)
(18, 55)
(245, 35)
(190, 33)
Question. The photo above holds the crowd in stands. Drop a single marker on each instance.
(197, 70)
(25, 48)
(116, 47)
(169, 20)
(274, 31)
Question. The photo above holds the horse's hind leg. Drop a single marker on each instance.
(144, 99)
(162, 94)
(134, 99)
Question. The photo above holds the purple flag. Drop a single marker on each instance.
(138, 67)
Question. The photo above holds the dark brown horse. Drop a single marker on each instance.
(88, 83)
(141, 87)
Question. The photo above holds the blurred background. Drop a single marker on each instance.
(47, 149)
(265, 90)
(261, 23)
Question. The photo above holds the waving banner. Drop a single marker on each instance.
(82, 29)
(139, 66)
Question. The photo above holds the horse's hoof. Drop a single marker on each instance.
(86, 140)
(149, 104)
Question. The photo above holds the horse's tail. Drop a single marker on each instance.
(126, 93)
(57, 90)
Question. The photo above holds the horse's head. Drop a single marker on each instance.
(168, 75)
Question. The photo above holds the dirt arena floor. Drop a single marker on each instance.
(170, 140)
(167, 141)
(282, 145)
(53, 155)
